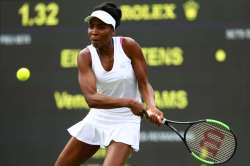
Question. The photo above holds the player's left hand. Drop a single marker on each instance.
(155, 115)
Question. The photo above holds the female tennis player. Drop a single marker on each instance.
(113, 78)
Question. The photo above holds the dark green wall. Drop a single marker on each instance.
(190, 83)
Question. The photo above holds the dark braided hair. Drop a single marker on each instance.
(112, 9)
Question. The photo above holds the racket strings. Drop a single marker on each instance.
(211, 142)
(205, 153)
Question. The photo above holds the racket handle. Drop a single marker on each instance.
(163, 121)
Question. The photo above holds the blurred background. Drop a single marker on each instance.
(198, 63)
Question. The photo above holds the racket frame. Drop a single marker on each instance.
(168, 123)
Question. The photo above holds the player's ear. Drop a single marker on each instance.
(113, 33)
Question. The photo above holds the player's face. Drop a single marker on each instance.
(100, 34)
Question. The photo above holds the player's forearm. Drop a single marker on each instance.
(147, 93)
(107, 102)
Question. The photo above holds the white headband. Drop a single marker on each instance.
(103, 16)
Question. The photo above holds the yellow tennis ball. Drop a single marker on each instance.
(204, 152)
(23, 74)
(220, 55)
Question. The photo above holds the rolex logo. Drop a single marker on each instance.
(191, 9)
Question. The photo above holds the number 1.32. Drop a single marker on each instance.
(45, 15)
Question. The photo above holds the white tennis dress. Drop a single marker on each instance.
(101, 126)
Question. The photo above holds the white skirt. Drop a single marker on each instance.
(100, 127)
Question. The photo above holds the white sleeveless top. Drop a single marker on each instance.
(119, 82)
(101, 126)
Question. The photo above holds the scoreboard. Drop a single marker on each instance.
(197, 52)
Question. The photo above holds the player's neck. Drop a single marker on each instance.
(106, 50)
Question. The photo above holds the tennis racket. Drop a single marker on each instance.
(209, 141)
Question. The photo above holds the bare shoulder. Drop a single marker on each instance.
(130, 46)
(129, 42)
(84, 53)
(84, 57)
